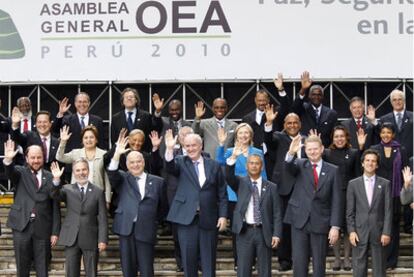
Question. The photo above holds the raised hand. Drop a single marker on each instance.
(64, 106)
(122, 134)
(155, 140)
(9, 151)
(121, 147)
(295, 145)
(237, 150)
(362, 138)
(270, 114)
(16, 117)
(64, 134)
(170, 140)
(305, 82)
(222, 136)
(371, 113)
(56, 170)
(408, 177)
(200, 110)
(314, 132)
(278, 81)
(158, 103)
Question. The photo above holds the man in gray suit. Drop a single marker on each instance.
(314, 210)
(369, 217)
(85, 229)
(207, 128)
(34, 216)
(257, 218)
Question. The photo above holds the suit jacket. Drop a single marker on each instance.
(27, 197)
(210, 199)
(322, 208)
(73, 122)
(258, 129)
(167, 123)
(147, 210)
(207, 129)
(33, 138)
(405, 135)
(143, 121)
(100, 178)
(270, 205)
(280, 143)
(85, 222)
(327, 119)
(369, 129)
(369, 222)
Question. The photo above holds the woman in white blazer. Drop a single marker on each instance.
(92, 153)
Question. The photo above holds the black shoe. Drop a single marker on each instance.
(235, 268)
(179, 269)
(254, 268)
(285, 266)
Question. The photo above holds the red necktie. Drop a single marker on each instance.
(315, 175)
(359, 124)
(44, 146)
(36, 180)
(25, 125)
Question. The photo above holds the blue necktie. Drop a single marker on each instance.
(130, 123)
(256, 204)
(82, 122)
(196, 168)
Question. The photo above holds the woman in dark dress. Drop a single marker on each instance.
(393, 158)
(341, 154)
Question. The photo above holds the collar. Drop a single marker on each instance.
(84, 186)
(134, 111)
(47, 137)
(259, 112)
(258, 180)
(318, 164)
(366, 178)
(402, 113)
(84, 115)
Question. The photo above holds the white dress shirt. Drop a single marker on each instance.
(249, 215)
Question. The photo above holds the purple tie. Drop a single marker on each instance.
(370, 191)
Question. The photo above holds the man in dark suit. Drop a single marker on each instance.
(34, 216)
(133, 117)
(257, 119)
(77, 121)
(85, 229)
(359, 123)
(314, 209)
(369, 217)
(313, 114)
(280, 142)
(199, 206)
(42, 136)
(257, 219)
(141, 204)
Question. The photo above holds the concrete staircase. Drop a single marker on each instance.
(164, 265)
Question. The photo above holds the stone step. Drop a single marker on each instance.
(168, 264)
(224, 273)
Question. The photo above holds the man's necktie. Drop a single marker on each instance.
(370, 192)
(44, 146)
(82, 192)
(316, 116)
(220, 124)
(359, 124)
(36, 180)
(256, 204)
(82, 122)
(129, 122)
(25, 125)
(196, 168)
(399, 121)
(315, 176)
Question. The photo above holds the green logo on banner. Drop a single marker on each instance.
(11, 44)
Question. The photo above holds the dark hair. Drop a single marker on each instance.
(262, 91)
(372, 152)
(388, 125)
(134, 91)
(45, 113)
(91, 128)
(347, 136)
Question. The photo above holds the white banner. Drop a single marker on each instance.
(42, 40)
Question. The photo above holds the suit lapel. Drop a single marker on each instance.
(191, 170)
(309, 172)
(265, 186)
(89, 190)
(77, 191)
(148, 186)
(363, 192)
(322, 176)
(323, 115)
(377, 188)
(133, 184)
